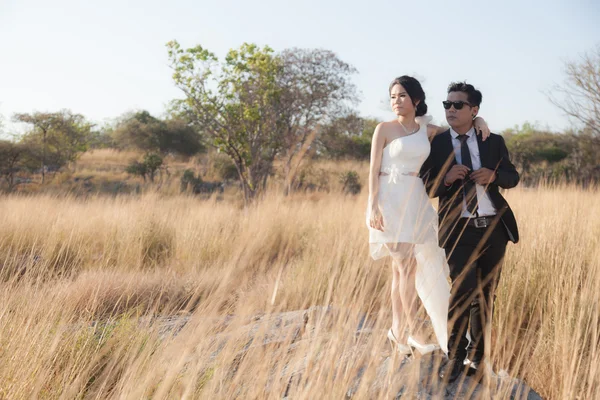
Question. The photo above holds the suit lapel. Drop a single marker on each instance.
(447, 159)
(448, 153)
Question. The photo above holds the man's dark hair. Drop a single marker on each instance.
(473, 95)
(415, 92)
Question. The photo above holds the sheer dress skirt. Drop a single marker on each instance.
(410, 223)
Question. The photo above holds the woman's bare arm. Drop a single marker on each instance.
(377, 145)
(481, 128)
(433, 130)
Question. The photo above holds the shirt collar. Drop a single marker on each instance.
(469, 133)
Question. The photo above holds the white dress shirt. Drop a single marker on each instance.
(485, 206)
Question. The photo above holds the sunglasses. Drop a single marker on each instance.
(458, 105)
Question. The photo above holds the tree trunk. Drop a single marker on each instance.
(44, 157)
(295, 158)
(249, 193)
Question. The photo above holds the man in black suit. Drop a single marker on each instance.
(476, 223)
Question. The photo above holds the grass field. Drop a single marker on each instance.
(81, 278)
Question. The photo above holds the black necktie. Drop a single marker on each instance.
(469, 190)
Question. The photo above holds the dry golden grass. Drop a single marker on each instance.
(107, 157)
(80, 277)
(108, 161)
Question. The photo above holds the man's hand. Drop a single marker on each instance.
(483, 176)
(456, 172)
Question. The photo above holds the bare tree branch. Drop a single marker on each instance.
(579, 96)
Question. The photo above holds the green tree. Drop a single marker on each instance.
(235, 103)
(147, 168)
(258, 105)
(316, 89)
(12, 161)
(348, 137)
(180, 137)
(540, 154)
(139, 130)
(145, 132)
(102, 138)
(152, 162)
(529, 145)
(42, 124)
(137, 168)
(56, 139)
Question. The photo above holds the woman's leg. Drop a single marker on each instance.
(404, 259)
(398, 319)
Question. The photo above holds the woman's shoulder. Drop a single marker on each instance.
(387, 124)
(384, 127)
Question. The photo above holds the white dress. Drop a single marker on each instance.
(409, 217)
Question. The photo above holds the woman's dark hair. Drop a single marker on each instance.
(414, 90)
(473, 95)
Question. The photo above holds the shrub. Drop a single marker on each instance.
(313, 179)
(148, 167)
(225, 168)
(137, 168)
(351, 182)
(189, 179)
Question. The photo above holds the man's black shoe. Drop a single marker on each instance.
(452, 370)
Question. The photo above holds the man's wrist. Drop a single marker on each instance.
(446, 182)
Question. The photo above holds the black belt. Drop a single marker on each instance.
(480, 222)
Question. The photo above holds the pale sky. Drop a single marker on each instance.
(104, 58)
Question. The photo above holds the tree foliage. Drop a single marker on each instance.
(55, 139)
(539, 154)
(14, 159)
(145, 132)
(316, 91)
(347, 137)
(257, 105)
(148, 167)
(235, 102)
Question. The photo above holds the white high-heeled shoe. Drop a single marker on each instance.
(422, 348)
(400, 348)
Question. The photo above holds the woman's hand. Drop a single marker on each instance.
(376, 221)
(481, 127)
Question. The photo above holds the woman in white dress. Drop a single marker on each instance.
(402, 221)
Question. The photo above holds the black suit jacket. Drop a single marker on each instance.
(494, 155)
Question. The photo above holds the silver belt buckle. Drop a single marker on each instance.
(480, 222)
